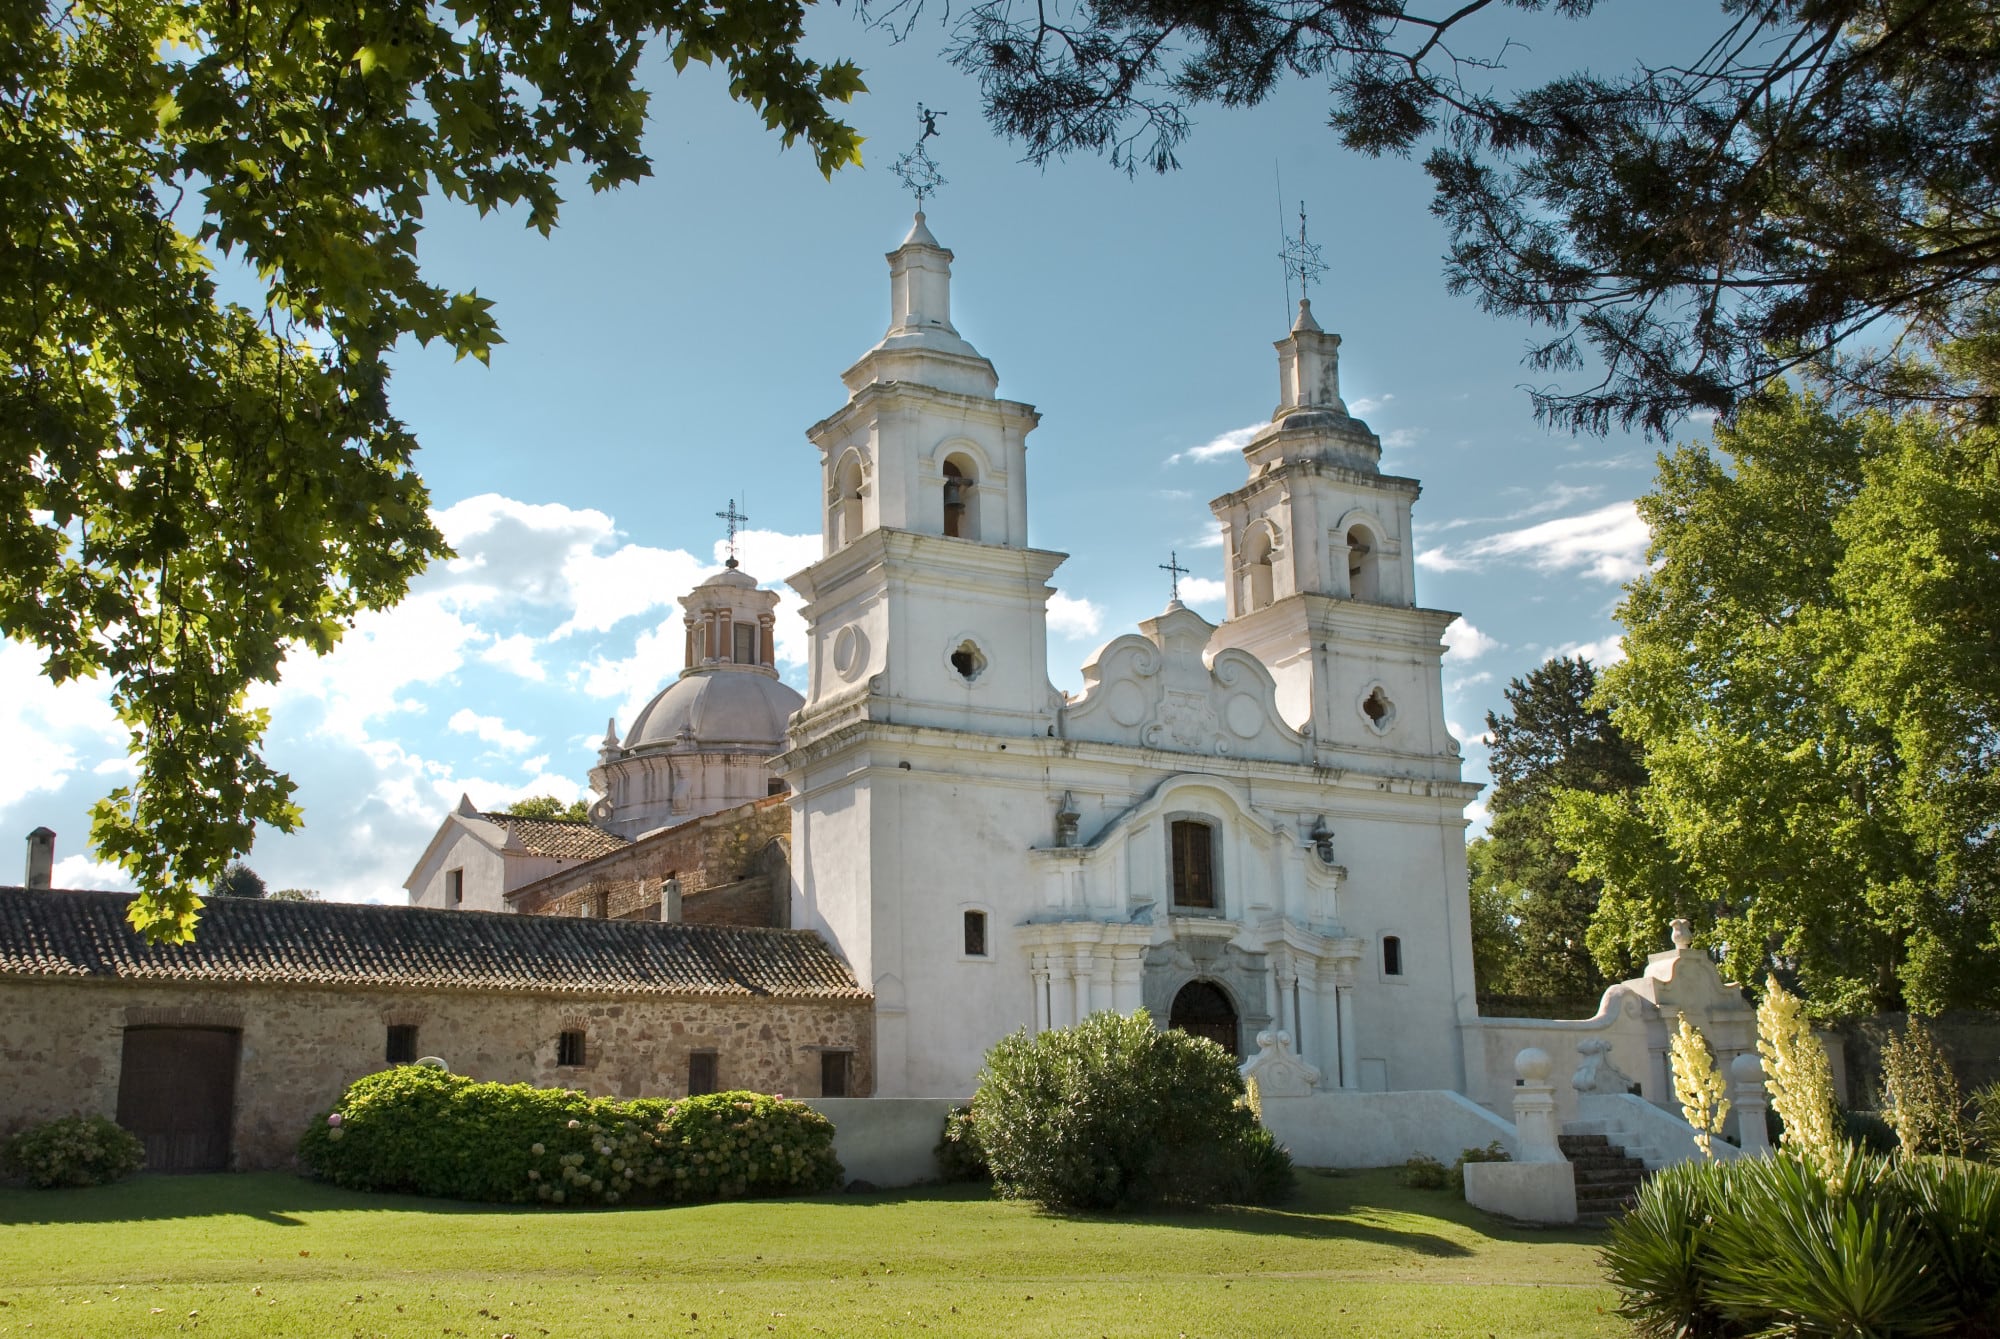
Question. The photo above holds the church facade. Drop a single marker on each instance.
(1257, 825)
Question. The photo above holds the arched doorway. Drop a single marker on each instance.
(1202, 1008)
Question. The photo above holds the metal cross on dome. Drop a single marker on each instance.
(916, 169)
(1172, 566)
(1302, 261)
(734, 519)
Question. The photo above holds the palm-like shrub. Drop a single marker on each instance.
(1115, 1113)
(1925, 1104)
(1869, 1246)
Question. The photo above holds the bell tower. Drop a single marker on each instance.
(1321, 574)
(928, 608)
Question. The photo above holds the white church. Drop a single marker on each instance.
(1248, 828)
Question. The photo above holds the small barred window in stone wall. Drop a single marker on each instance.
(975, 934)
(701, 1073)
(454, 886)
(402, 1047)
(569, 1048)
(833, 1073)
(1194, 867)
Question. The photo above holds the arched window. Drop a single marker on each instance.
(961, 499)
(1392, 955)
(1194, 864)
(1257, 567)
(1362, 565)
(845, 522)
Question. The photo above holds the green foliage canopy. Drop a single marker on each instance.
(548, 806)
(1812, 685)
(239, 880)
(192, 489)
(1694, 225)
(1535, 913)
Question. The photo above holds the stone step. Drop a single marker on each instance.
(1607, 1177)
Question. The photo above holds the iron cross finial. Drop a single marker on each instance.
(734, 520)
(915, 169)
(1301, 257)
(1172, 566)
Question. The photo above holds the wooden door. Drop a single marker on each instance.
(1203, 1008)
(177, 1092)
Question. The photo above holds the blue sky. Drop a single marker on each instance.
(667, 348)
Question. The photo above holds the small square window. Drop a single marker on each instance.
(975, 934)
(454, 886)
(833, 1073)
(402, 1048)
(701, 1073)
(569, 1047)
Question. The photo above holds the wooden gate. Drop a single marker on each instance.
(177, 1092)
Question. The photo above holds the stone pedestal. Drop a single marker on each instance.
(1535, 1123)
(1746, 1073)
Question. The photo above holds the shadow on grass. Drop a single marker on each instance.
(269, 1197)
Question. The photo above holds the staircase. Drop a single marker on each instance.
(1606, 1177)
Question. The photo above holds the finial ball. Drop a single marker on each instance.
(1533, 1064)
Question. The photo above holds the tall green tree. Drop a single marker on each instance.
(1810, 682)
(191, 489)
(1552, 738)
(238, 880)
(1694, 225)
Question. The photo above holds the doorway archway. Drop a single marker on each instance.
(1204, 1009)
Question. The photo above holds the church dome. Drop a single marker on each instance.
(718, 709)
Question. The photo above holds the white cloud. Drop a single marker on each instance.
(516, 655)
(1072, 617)
(1555, 497)
(1203, 590)
(492, 729)
(1607, 545)
(772, 556)
(1212, 539)
(1463, 642)
(80, 871)
(1368, 404)
(1604, 651)
(1397, 439)
(1215, 448)
(49, 731)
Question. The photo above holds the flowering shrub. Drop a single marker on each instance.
(72, 1151)
(426, 1132)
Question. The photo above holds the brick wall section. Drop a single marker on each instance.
(716, 851)
(61, 1047)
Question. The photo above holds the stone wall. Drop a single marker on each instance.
(730, 866)
(61, 1047)
(1969, 1039)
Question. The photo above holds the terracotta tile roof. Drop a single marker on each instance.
(570, 840)
(58, 933)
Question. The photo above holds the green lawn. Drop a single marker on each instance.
(275, 1255)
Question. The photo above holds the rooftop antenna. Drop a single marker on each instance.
(916, 169)
(734, 519)
(1172, 567)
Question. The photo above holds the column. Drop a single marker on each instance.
(1747, 1088)
(1332, 1040)
(1062, 1000)
(767, 646)
(1350, 1054)
(1082, 979)
(1125, 974)
(1038, 983)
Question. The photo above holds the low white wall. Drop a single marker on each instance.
(1355, 1129)
(886, 1140)
(1534, 1192)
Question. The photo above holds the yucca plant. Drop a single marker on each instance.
(1806, 1250)
(1958, 1205)
(1660, 1258)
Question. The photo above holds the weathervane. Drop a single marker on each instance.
(1301, 257)
(733, 518)
(1172, 566)
(915, 169)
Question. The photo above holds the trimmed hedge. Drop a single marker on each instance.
(1875, 1246)
(72, 1151)
(1116, 1113)
(418, 1130)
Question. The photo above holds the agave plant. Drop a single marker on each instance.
(1660, 1258)
(1958, 1204)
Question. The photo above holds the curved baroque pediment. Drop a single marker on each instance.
(1153, 689)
